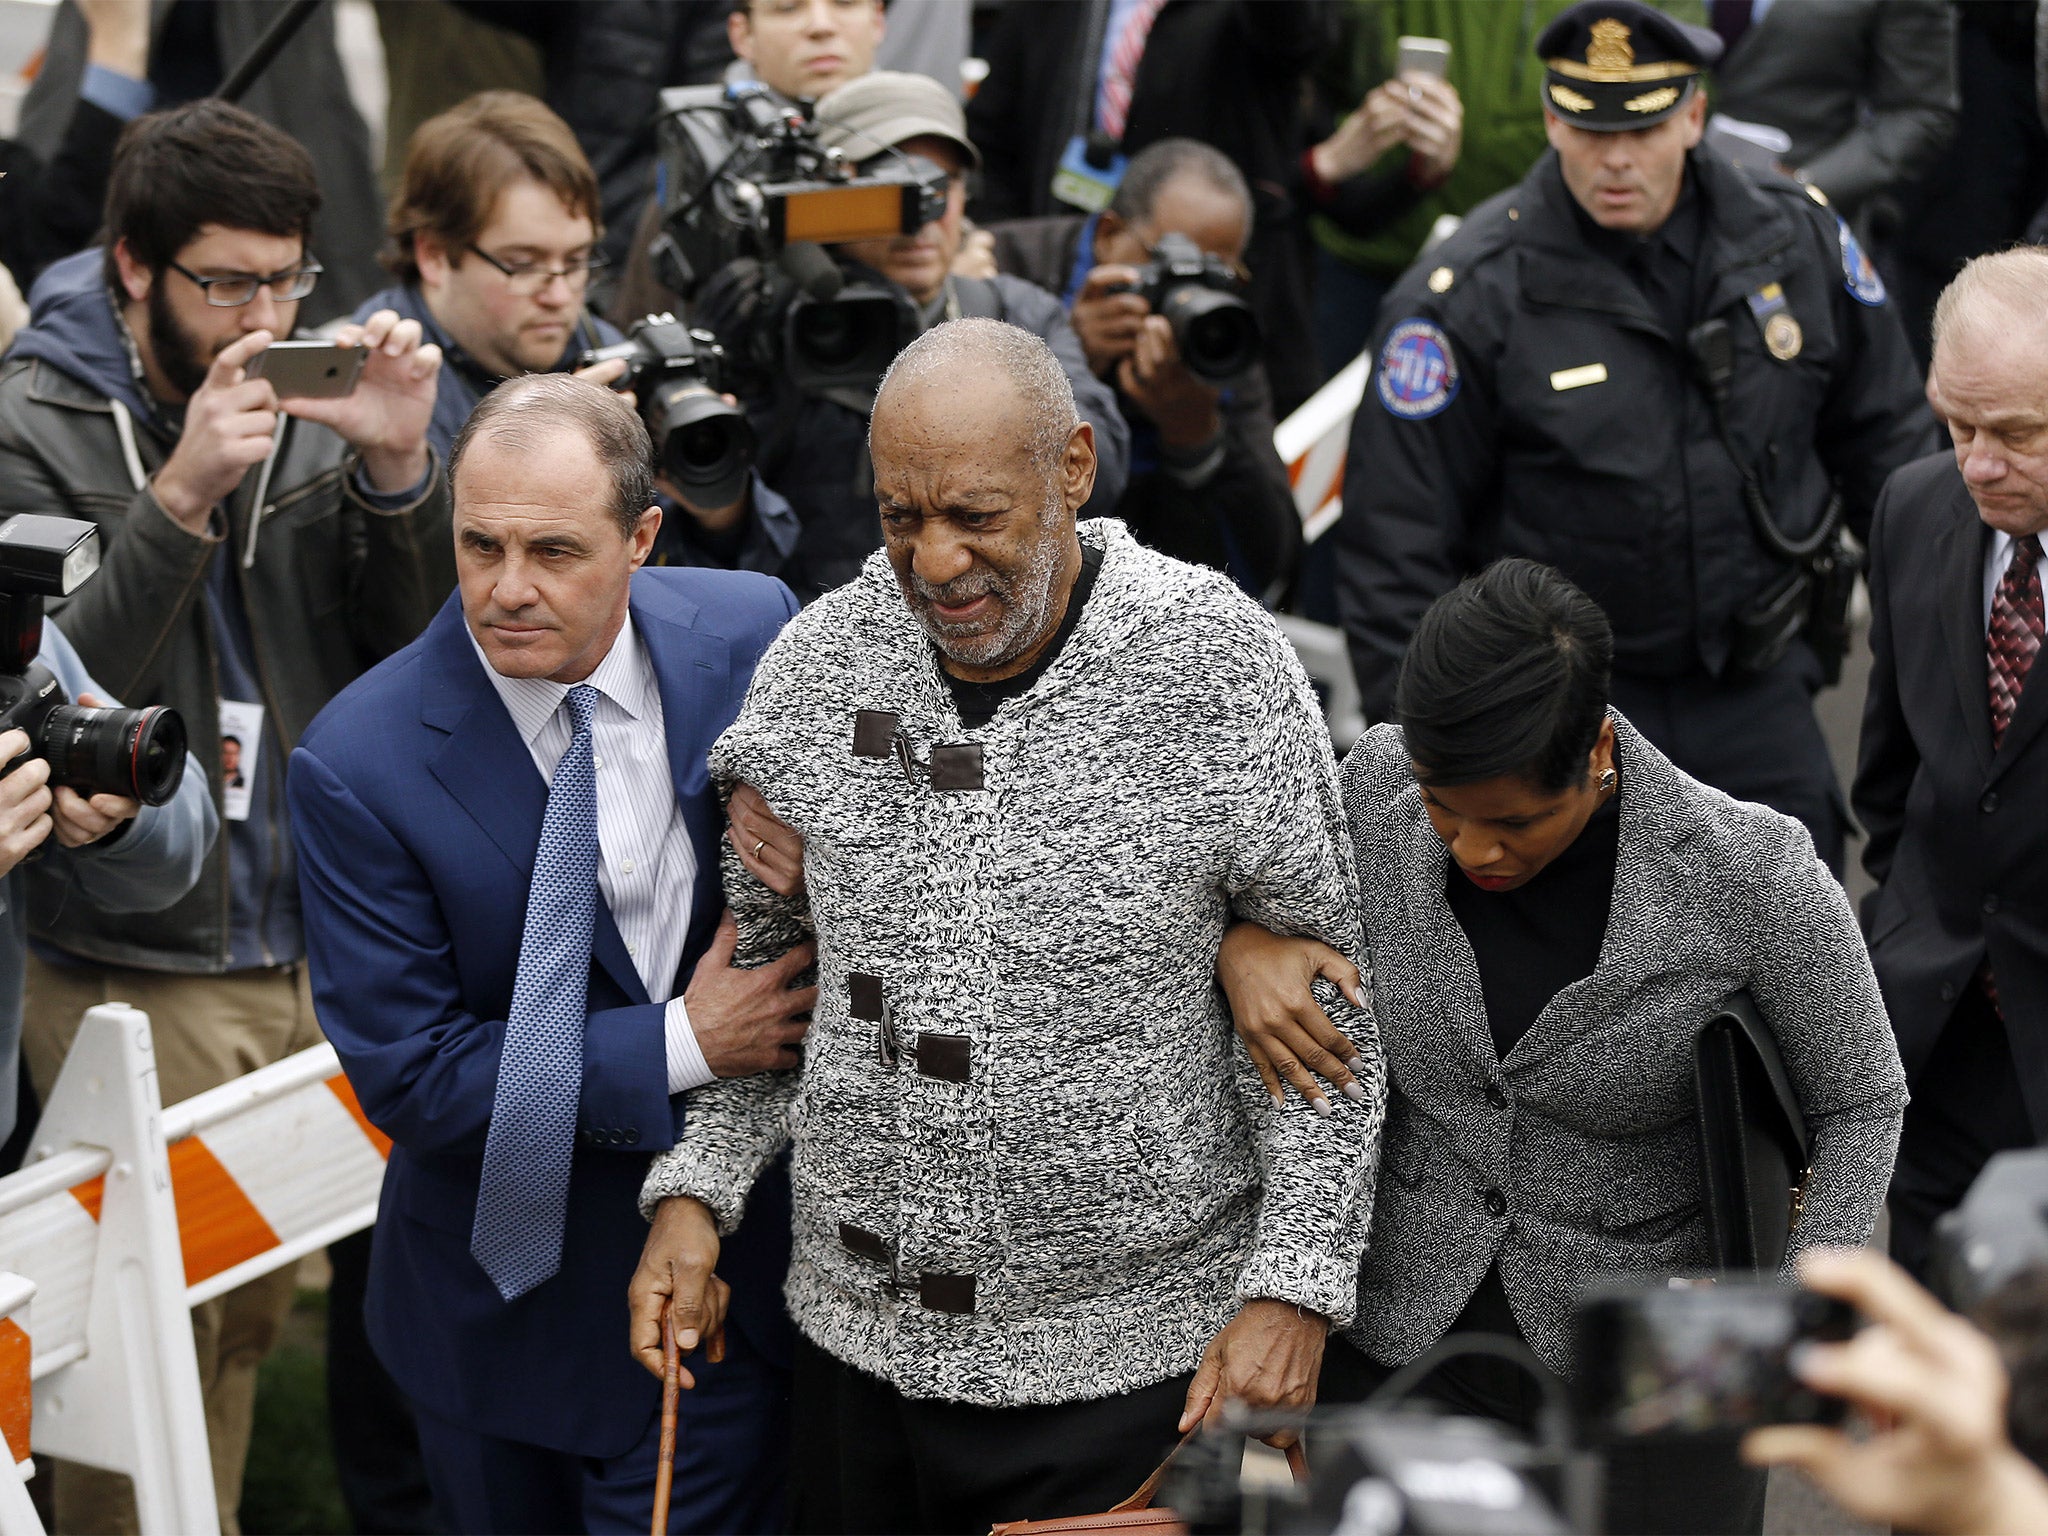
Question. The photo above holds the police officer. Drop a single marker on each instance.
(1671, 379)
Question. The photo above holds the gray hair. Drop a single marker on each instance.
(975, 346)
(1157, 166)
(522, 412)
(2012, 284)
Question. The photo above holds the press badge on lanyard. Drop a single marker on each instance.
(1081, 185)
(241, 741)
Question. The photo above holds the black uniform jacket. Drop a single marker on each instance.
(1958, 833)
(1526, 400)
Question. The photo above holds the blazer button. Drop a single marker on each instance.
(1991, 904)
(1989, 803)
(632, 1135)
(1496, 1095)
(1496, 1203)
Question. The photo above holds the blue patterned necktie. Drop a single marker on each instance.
(520, 1205)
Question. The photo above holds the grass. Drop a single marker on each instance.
(289, 1488)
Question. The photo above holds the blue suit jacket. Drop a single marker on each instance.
(417, 812)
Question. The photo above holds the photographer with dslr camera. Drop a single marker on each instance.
(806, 364)
(259, 555)
(1166, 259)
(89, 835)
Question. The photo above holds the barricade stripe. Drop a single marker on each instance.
(17, 1396)
(218, 1227)
(90, 1194)
(52, 1242)
(345, 1091)
(301, 1160)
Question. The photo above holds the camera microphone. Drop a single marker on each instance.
(805, 263)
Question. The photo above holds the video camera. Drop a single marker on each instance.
(701, 443)
(742, 178)
(135, 753)
(1655, 1361)
(1199, 294)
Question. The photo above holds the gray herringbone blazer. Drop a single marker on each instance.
(1576, 1157)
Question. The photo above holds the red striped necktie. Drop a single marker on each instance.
(2014, 636)
(1113, 106)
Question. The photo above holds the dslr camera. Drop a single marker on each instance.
(1201, 298)
(701, 443)
(744, 184)
(137, 753)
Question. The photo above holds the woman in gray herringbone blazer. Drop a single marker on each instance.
(1552, 911)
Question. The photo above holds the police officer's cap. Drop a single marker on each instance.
(1612, 65)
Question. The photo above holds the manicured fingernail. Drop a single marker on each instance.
(687, 1339)
(1323, 1108)
(1357, 1064)
(1354, 1091)
(1357, 996)
(1279, 1099)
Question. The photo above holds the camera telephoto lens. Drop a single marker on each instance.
(1217, 333)
(137, 753)
(705, 446)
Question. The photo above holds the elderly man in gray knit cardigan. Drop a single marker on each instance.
(1044, 1212)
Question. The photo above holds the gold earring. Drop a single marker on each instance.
(1607, 781)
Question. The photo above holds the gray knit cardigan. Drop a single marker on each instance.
(1575, 1159)
(1109, 1172)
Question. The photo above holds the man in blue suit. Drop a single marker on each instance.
(509, 851)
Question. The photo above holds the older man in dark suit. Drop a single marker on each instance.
(1953, 783)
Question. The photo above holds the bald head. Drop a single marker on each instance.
(1989, 384)
(960, 359)
(980, 466)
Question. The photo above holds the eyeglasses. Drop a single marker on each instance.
(532, 276)
(231, 290)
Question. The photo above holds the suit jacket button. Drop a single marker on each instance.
(1991, 904)
(1496, 1203)
(1989, 803)
(1496, 1095)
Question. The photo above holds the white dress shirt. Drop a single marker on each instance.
(646, 866)
(1995, 561)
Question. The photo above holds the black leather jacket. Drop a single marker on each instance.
(336, 585)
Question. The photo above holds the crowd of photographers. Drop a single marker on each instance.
(232, 516)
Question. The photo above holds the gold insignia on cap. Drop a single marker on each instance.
(1783, 336)
(1653, 101)
(1610, 47)
(1441, 279)
(1570, 99)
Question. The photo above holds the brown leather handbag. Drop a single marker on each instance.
(1137, 1512)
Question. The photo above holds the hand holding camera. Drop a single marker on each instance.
(1153, 378)
(1107, 315)
(1945, 1464)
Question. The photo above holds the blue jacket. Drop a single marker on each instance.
(417, 812)
(143, 868)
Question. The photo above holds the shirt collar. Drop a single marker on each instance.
(624, 677)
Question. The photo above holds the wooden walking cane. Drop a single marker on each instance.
(671, 1388)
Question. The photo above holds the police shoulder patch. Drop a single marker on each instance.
(1858, 275)
(1418, 373)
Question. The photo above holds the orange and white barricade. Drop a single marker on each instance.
(127, 1216)
(1312, 443)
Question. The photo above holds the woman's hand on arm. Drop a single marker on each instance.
(772, 851)
(1268, 981)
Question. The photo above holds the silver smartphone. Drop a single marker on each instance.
(1430, 55)
(317, 370)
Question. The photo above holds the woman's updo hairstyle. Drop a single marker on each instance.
(1506, 677)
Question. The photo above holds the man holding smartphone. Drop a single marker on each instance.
(259, 555)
